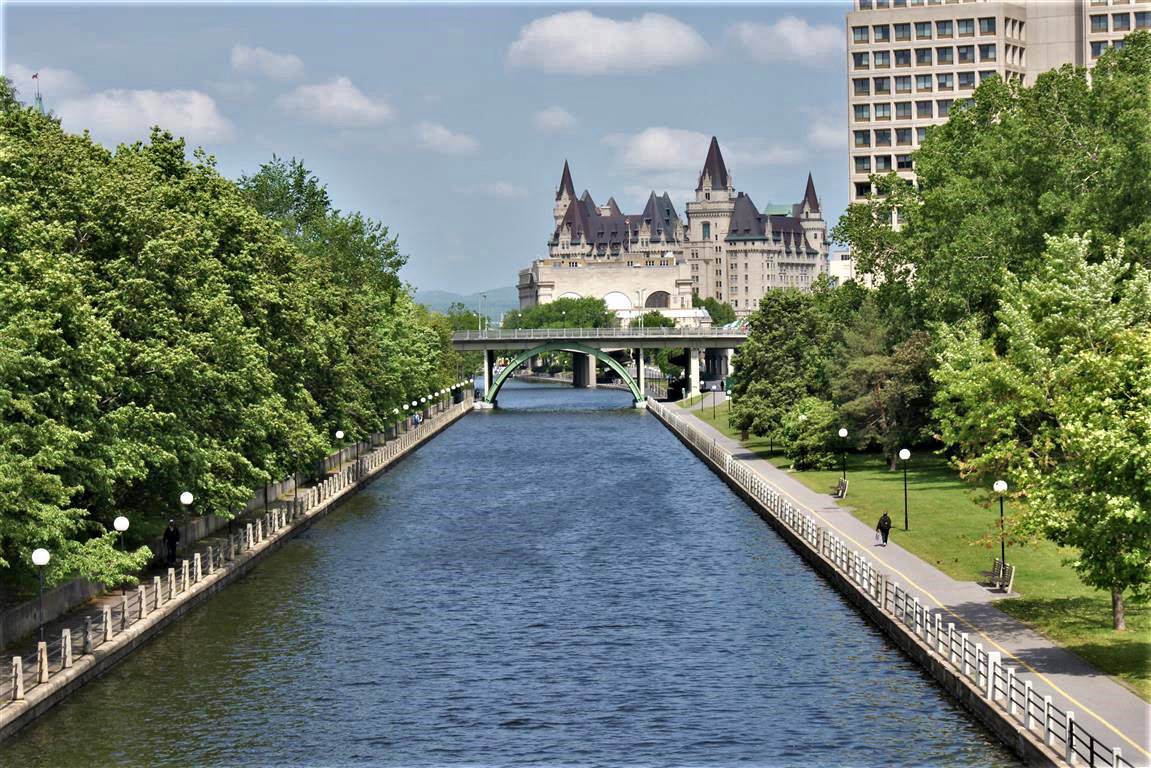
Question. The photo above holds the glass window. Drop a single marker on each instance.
(903, 84)
(882, 33)
(865, 5)
(966, 54)
(903, 162)
(1120, 22)
(923, 82)
(880, 3)
(903, 57)
(920, 134)
(1142, 19)
(860, 60)
(923, 57)
(862, 188)
(862, 112)
(882, 163)
(945, 55)
(883, 137)
(987, 52)
(862, 86)
(862, 138)
(883, 111)
(945, 81)
(883, 85)
(943, 29)
(923, 30)
(862, 164)
(944, 107)
(882, 59)
(987, 26)
(1118, 44)
(1099, 22)
(903, 137)
(903, 110)
(986, 73)
(1097, 49)
(924, 109)
(966, 27)
(859, 34)
(902, 32)
(966, 79)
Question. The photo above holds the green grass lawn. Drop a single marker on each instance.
(960, 537)
(688, 402)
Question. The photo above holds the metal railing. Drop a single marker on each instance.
(999, 683)
(89, 630)
(598, 333)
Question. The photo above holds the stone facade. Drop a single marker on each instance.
(727, 249)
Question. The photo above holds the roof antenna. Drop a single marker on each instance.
(39, 101)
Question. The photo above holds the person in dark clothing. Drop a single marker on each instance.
(884, 527)
(171, 539)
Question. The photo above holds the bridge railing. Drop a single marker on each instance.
(596, 333)
(1000, 684)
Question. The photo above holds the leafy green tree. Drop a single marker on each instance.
(563, 313)
(810, 433)
(1059, 404)
(652, 319)
(721, 313)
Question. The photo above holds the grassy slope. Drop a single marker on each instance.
(950, 530)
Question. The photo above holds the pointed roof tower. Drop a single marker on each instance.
(714, 167)
(809, 197)
(566, 184)
(612, 207)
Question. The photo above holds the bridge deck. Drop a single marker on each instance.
(601, 338)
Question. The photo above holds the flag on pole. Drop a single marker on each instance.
(35, 75)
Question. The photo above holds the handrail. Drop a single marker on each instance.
(596, 333)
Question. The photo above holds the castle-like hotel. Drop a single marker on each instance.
(728, 249)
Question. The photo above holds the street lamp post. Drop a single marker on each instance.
(480, 314)
(121, 525)
(1000, 487)
(843, 438)
(904, 455)
(186, 499)
(40, 558)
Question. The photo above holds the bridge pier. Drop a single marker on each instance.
(692, 372)
(489, 371)
(641, 376)
(583, 370)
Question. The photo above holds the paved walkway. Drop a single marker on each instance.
(1107, 708)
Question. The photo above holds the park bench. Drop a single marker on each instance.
(1002, 575)
(841, 489)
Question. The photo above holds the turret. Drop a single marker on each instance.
(811, 219)
(564, 195)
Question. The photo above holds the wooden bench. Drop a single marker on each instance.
(1002, 575)
(841, 489)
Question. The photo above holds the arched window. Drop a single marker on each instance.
(658, 300)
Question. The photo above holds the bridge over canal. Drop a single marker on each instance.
(589, 345)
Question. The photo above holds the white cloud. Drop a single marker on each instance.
(581, 43)
(554, 120)
(127, 115)
(674, 149)
(826, 134)
(504, 189)
(791, 38)
(55, 83)
(338, 101)
(282, 66)
(437, 138)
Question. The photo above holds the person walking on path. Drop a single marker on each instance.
(171, 539)
(884, 527)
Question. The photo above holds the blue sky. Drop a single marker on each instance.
(451, 123)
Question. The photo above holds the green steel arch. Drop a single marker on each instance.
(562, 346)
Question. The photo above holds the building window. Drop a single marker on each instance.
(882, 163)
(944, 107)
(1097, 49)
(860, 60)
(1120, 22)
(859, 34)
(882, 59)
(986, 73)
(987, 52)
(945, 55)
(903, 110)
(706, 230)
(865, 5)
(903, 84)
(883, 138)
(966, 79)
(882, 33)
(1099, 22)
(920, 134)
(903, 57)
(862, 86)
(1142, 19)
(862, 164)
(862, 138)
(902, 32)
(966, 27)
(862, 113)
(945, 81)
(923, 30)
(922, 83)
(903, 163)
(882, 85)
(924, 109)
(883, 111)
(923, 57)
(987, 25)
(943, 29)
(966, 54)
(903, 136)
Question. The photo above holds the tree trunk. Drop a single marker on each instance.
(894, 465)
(1118, 616)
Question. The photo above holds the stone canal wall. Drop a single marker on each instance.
(1020, 715)
(93, 643)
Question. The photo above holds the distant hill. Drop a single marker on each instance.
(499, 300)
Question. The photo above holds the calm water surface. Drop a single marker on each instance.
(557, 583)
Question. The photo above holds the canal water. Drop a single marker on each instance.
(556, 583)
